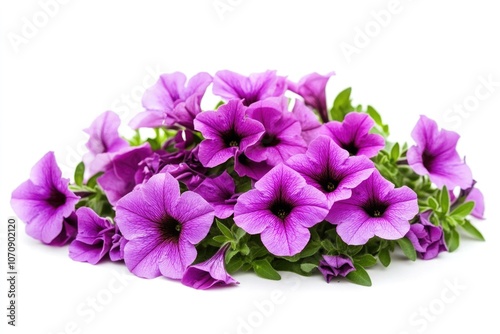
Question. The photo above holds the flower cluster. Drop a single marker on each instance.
(269, 180)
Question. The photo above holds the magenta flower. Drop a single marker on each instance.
(258, 86)
(161, 99)
(332, 266)
(210, 273)
(312, 88)
(281, 208)
(161, 227)
(282, 137)
(477, 197)
(68, 232)
(95, 239)
(353, 134)
(375, 208)
(247, 167)
(185, 112)
(220, 193)
(309, 123)
(436, 155)
(119, 177)
(427, 238)
(45, 203)
(104, 141)
(328, 168)
(226, 131)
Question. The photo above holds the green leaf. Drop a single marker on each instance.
(395, 152)
(432, 203)
(359, 276)
(366, 260)
(341, 105)
(220, 239)
(219, 104)
(92, 182)
(79, 171)
(385, 257)
(452, 240)
(233, 265)
(311, 249)
(225, 230)
(472, 230)
(244, 249)
(327, 245)
(463, 210)
(308, 267)
(445, 200)
(374, 115)
(264, 269)
(408, 248)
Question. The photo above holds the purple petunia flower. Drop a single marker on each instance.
(312, 88)
(210, 273)
(375, 208)
(309, 123)
(332, 266)
(95, 239)
(281, 208)
(45, 203)
(185, 112)
(119, 177)
(258, 86)
(282, 137)
(436, 155)
(220, 193)
(427, 238)
(161, 99)
(330, 169)
(353, 134)
(247, 167)
(104, 141)
(226, 131)
(161, 227)
(68, 232)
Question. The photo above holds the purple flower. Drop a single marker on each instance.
(103, 142)
(45, 203)
(332, 266)
(427, 238)
(309, 123)
(375, 208)
(95, 239)
(282, 137)
(161, 99)
(185, 112)
(247, 167)
(312, 89)
(68, 232)
(220, 193)
(353, 135)
(226, 131)
(329, 168)
(436, 155)
(119, 177)
(281, 208)
(258, 86)
(210, 273)
(161, 227)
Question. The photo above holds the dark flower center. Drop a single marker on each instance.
(351, 148)
(269, 140)
(170, 228)
(281, 208)
(328, 183)
(427, 160)
(248, 100)
(56, 198)
(375, 208)
(231, 138)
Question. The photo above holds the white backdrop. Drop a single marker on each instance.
(65, 62)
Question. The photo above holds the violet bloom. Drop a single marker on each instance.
(95, 239)
(185, 112)
(282, 137)
(161, 99)
(226, 131)
(281, 208)
(427, 238)
(103, 142)
(332, 266)
(247, 167)
(330, 169)
(312, 88)
(210, 273)
(220, 193)
(119, 177)
(162, 227)
(258, 86)
(436, 155)
(375, 208)
(68, 232)
(353, 134)
(45, 203)
(309, 123)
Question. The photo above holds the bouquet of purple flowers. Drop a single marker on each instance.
(270, 180)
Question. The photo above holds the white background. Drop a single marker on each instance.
(92, 56)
